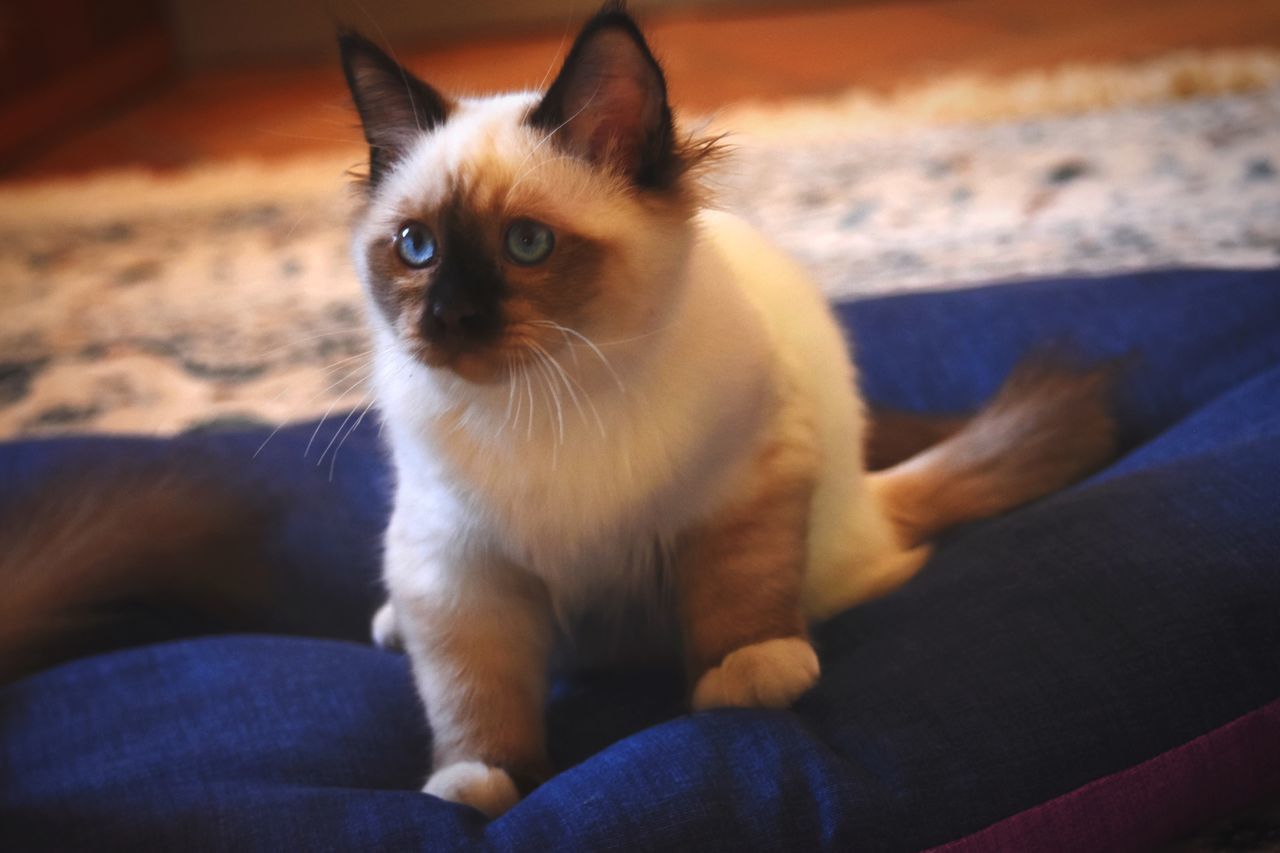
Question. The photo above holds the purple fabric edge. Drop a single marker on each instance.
(1152, 803)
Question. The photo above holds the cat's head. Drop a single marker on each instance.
(497, 226)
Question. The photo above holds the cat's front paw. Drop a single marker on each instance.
(386, 634)
(473, 783)
(771, 674)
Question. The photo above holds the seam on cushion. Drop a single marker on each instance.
(1151, 803)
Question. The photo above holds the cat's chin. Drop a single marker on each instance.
(478, 368)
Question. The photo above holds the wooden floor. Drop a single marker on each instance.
(711, 59)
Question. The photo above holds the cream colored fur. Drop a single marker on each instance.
(769, 674)
(510, 511)
(664, 414)
(488, 789)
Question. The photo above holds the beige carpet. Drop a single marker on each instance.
(224, 295)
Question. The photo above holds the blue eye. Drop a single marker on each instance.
(529, 242)
(415, 245)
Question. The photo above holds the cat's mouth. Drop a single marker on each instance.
(476, 352)
(516, 347)
(482, 365)
(482, 362)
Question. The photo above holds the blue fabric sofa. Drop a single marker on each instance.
(1099, 670)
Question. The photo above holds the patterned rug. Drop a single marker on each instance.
(225, 296)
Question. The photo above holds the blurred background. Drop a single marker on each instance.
(175, 187)
(175, 190)
(88, 84)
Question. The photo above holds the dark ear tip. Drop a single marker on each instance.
(614, 14)
(352, 43)
(610, 6)
(348, 38)
(614, 17)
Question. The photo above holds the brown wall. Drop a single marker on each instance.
(221, 32)
(41, 39)
(65, 61)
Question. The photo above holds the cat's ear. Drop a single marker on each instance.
(609, 102)
(394, 106)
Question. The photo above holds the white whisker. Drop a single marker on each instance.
(404, 75)
(333, 460)
(303, 340)
(459, 422)
(326, 369)
(638, 337)
(515, 380)
(528, 385)
(590, 343)
(569, 383)
(543, 141)
(329, 367)
(549, 378)
(329, 410)
(279, 426)
(573, 351)
(511, 393)
(336, 433)
(535, 167)
(563, 37)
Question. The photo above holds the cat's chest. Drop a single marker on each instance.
(598, 504)
(594, 499)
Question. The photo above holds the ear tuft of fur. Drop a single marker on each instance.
(1048, 426)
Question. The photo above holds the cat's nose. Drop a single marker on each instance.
(447, 318)
(459, 310)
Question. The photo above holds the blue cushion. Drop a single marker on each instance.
(1056, 645)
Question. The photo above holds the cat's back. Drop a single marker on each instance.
(817, 382)
(806, 337)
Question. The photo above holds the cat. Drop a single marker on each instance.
(597, 388)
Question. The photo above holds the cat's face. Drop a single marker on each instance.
(498, 229)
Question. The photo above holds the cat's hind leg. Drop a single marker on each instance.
(746, 642)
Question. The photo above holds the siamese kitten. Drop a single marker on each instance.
(597, 389)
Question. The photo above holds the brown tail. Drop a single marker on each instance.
(90, 544)
(1046, 428)
(895, 436)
